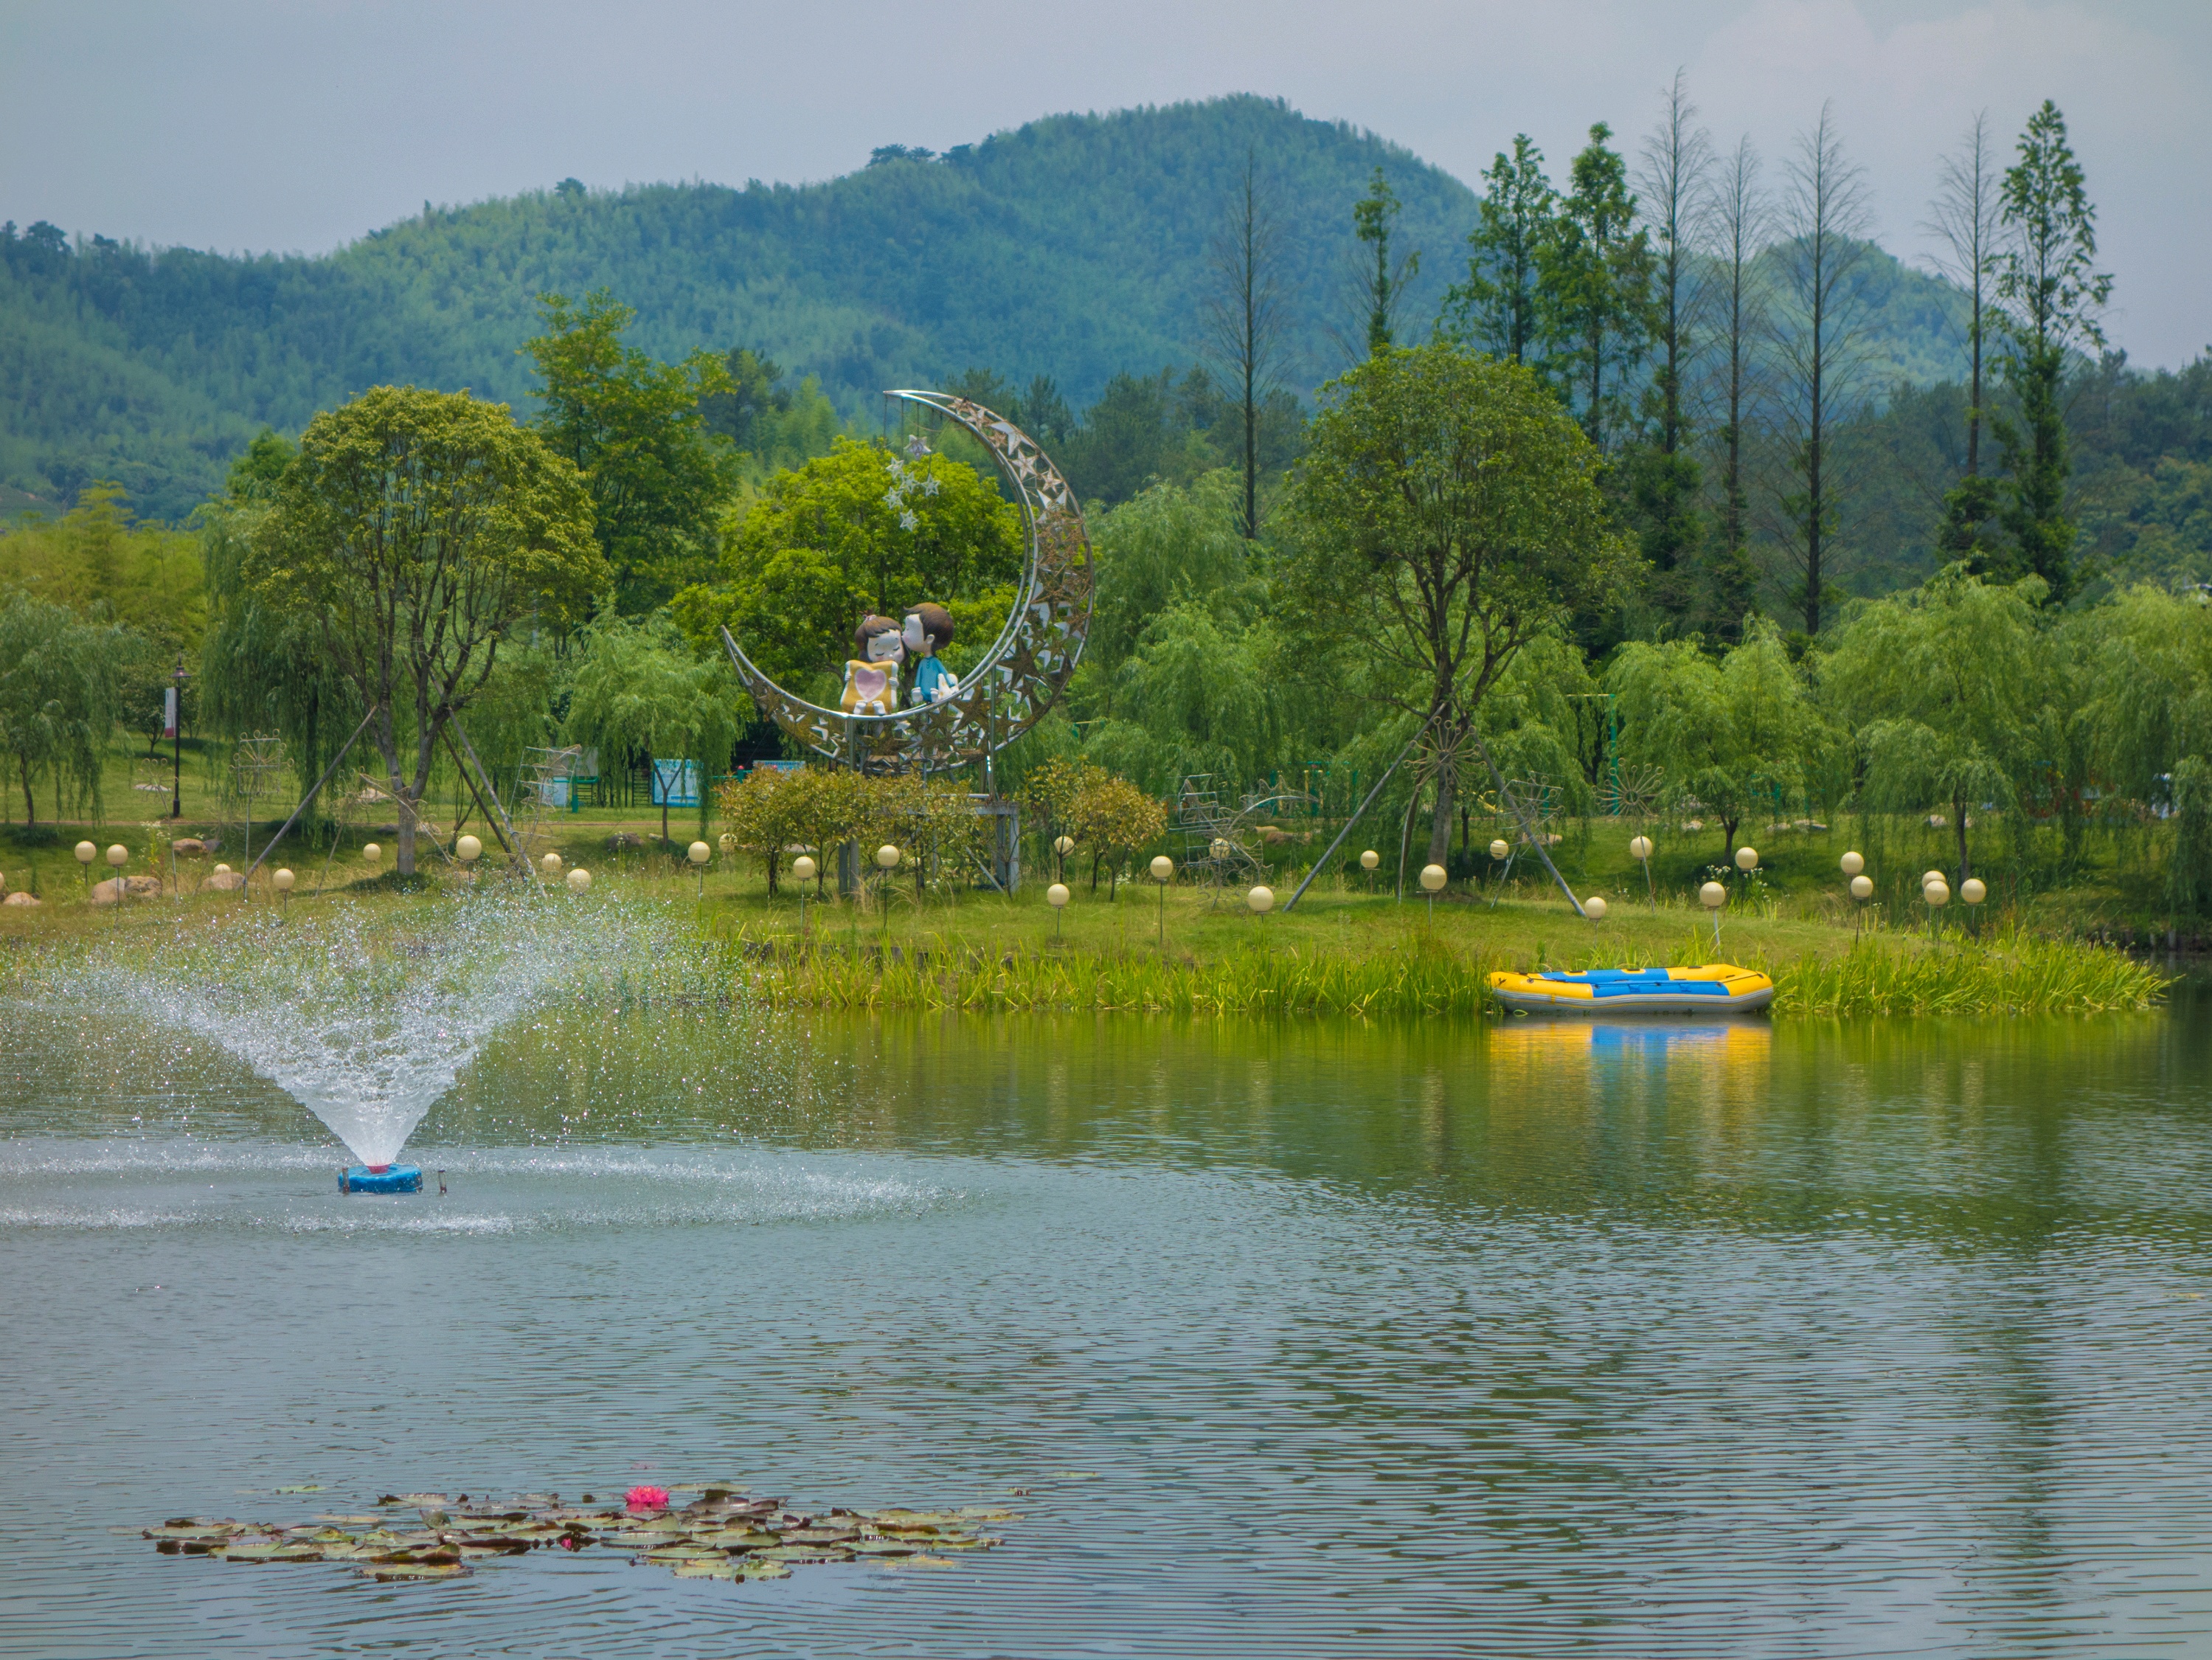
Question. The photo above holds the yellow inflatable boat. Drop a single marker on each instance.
(1702, 990)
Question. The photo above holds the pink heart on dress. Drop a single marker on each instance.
(870, 683)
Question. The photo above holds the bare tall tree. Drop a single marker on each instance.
(1739, 218)
(1676, 159)
(1963, 219)
(1824, 220)
(1670, 182)
(1246, 317)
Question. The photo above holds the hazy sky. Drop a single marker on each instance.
(237, 125)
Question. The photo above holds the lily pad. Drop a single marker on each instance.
(267, 1553)
(753, 1568)
(304, 1486)
(919, 1561)
(704, 1568)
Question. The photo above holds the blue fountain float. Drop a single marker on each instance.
(381, 1178)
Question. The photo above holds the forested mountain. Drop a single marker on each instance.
(1075, 248)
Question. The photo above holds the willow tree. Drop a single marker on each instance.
(1943, 687)
(416, 532)
(1447, 514)
(58, 697)
(639, 690)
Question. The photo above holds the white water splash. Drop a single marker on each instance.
(366, 1019)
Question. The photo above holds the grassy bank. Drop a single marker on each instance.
(1343, 952)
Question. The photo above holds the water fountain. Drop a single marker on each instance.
(365, 1018)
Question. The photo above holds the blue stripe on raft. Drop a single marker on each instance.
(1601, 976)
(1645, 989)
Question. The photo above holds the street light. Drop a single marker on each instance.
(85, 853)
(1056, 896)
(1433, 877)
(1593, 908)
(1639, 849)
(283, 881)
(887, 858)
(118, 856)
(700, 853)
(580, 880)
(1853, 864)
(1712, 896)
(1063, 845)
(802, 871)
(1163, 869)
(1937, 893)
(176, 714)
(1262, 900)
(468, 849)
(371, 853)
(551, 864)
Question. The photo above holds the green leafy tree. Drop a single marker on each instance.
(1941, 688)
(2052, 291)
(416, 531)
(1596, 290)
(856, 531)
(1447, 512)
(1497, 308)
(57, 696)
(1731, 735)
(1381, 285)
(640, 692)
(638, 432)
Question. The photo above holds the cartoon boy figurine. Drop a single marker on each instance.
(928, 629)
(872, 674)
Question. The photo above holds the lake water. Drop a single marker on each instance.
(1802, 1340)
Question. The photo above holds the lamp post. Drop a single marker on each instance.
(1061, 847)
(177, 739)
(1712, 896)
(700, 853)
(1861, 887)
(1262, 900)
(580, 880)
(118, 856)
(551, 864)
(887, 858)
(283, 880)
(1501, 857)
(1639, 849)
(468, 849)
(85, 853)
(1056, 896)
(802, 871)
(1973, 891)
(1163, 869)
(1219, 850)
(1593, 908)
(1937, 893)
(1368, 860)
(1433, 878)
(370, 852)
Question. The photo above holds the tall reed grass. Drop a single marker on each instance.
(2017, 974)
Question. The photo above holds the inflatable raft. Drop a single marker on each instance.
(1702, 990)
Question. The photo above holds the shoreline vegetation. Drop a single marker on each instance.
(1188, 951)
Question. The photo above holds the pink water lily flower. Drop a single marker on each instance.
(645, 1498)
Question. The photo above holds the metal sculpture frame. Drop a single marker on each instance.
(1019, 679)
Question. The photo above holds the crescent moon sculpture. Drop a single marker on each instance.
(1022, 673)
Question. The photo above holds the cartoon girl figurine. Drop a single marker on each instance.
(928, 629)
(872, 674)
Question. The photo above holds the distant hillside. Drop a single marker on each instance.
(1074, 247)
